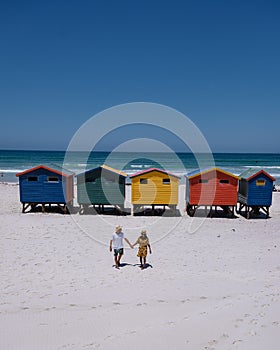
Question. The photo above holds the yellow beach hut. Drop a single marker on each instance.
(154, 187)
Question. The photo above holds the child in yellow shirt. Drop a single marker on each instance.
(144, 244)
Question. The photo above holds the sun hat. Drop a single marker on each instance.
(143, 231)
(118, 228)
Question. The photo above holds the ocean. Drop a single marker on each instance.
(14, 161)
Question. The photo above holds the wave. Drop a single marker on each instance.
(262, 167)
(136, 165)
(12, 171)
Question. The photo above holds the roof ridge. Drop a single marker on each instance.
(153, 169)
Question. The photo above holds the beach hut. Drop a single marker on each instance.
(46, 186)
(211, 187)
(255, 192)
(101, 186)
(154, 187)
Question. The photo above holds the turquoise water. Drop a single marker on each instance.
(12, 162)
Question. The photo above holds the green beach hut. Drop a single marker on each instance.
(100, 187)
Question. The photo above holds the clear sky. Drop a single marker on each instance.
(216, 61)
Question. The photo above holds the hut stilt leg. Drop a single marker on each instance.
(247, 212)
(25, 207)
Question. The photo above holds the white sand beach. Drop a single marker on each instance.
(217, 288)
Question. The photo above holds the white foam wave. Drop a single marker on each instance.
(262, 167)
(11, 171)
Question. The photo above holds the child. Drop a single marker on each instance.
(144, 244)
(117, 243)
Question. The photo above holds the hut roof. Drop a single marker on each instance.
(199, 172)
(154, 169)
(53, 168)
(251, 173)
(106, 167)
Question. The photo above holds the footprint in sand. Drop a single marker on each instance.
(254, 321)
(224, 335)
(239, 320)
(213, 342)
(253, 333)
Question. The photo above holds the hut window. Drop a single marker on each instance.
(52, 179)
(224, 181)
(260, 182)
(92, 181)
(143, 181)
(203, 181)
(166, 181)
(32, 178)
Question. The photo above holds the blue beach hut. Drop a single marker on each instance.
(46, 186)
(255, 192)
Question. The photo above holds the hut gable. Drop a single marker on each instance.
(43, 184)
(211, 186)
(154, 187)
(102, 185)
(255, 188)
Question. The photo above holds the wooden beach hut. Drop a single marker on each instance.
(255, 192)
(211, 187)
(101, 186)
(154, 187)
(44, 185)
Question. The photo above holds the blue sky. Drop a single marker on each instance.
(215, 61)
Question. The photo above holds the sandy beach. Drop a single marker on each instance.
(216, 287)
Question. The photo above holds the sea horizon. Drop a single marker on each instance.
(121, 151)
(179, 163)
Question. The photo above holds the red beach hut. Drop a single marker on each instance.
(211, 187)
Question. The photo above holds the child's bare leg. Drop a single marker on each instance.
(116, 261)
(144, 262)
(119, 259)
(141, 262)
